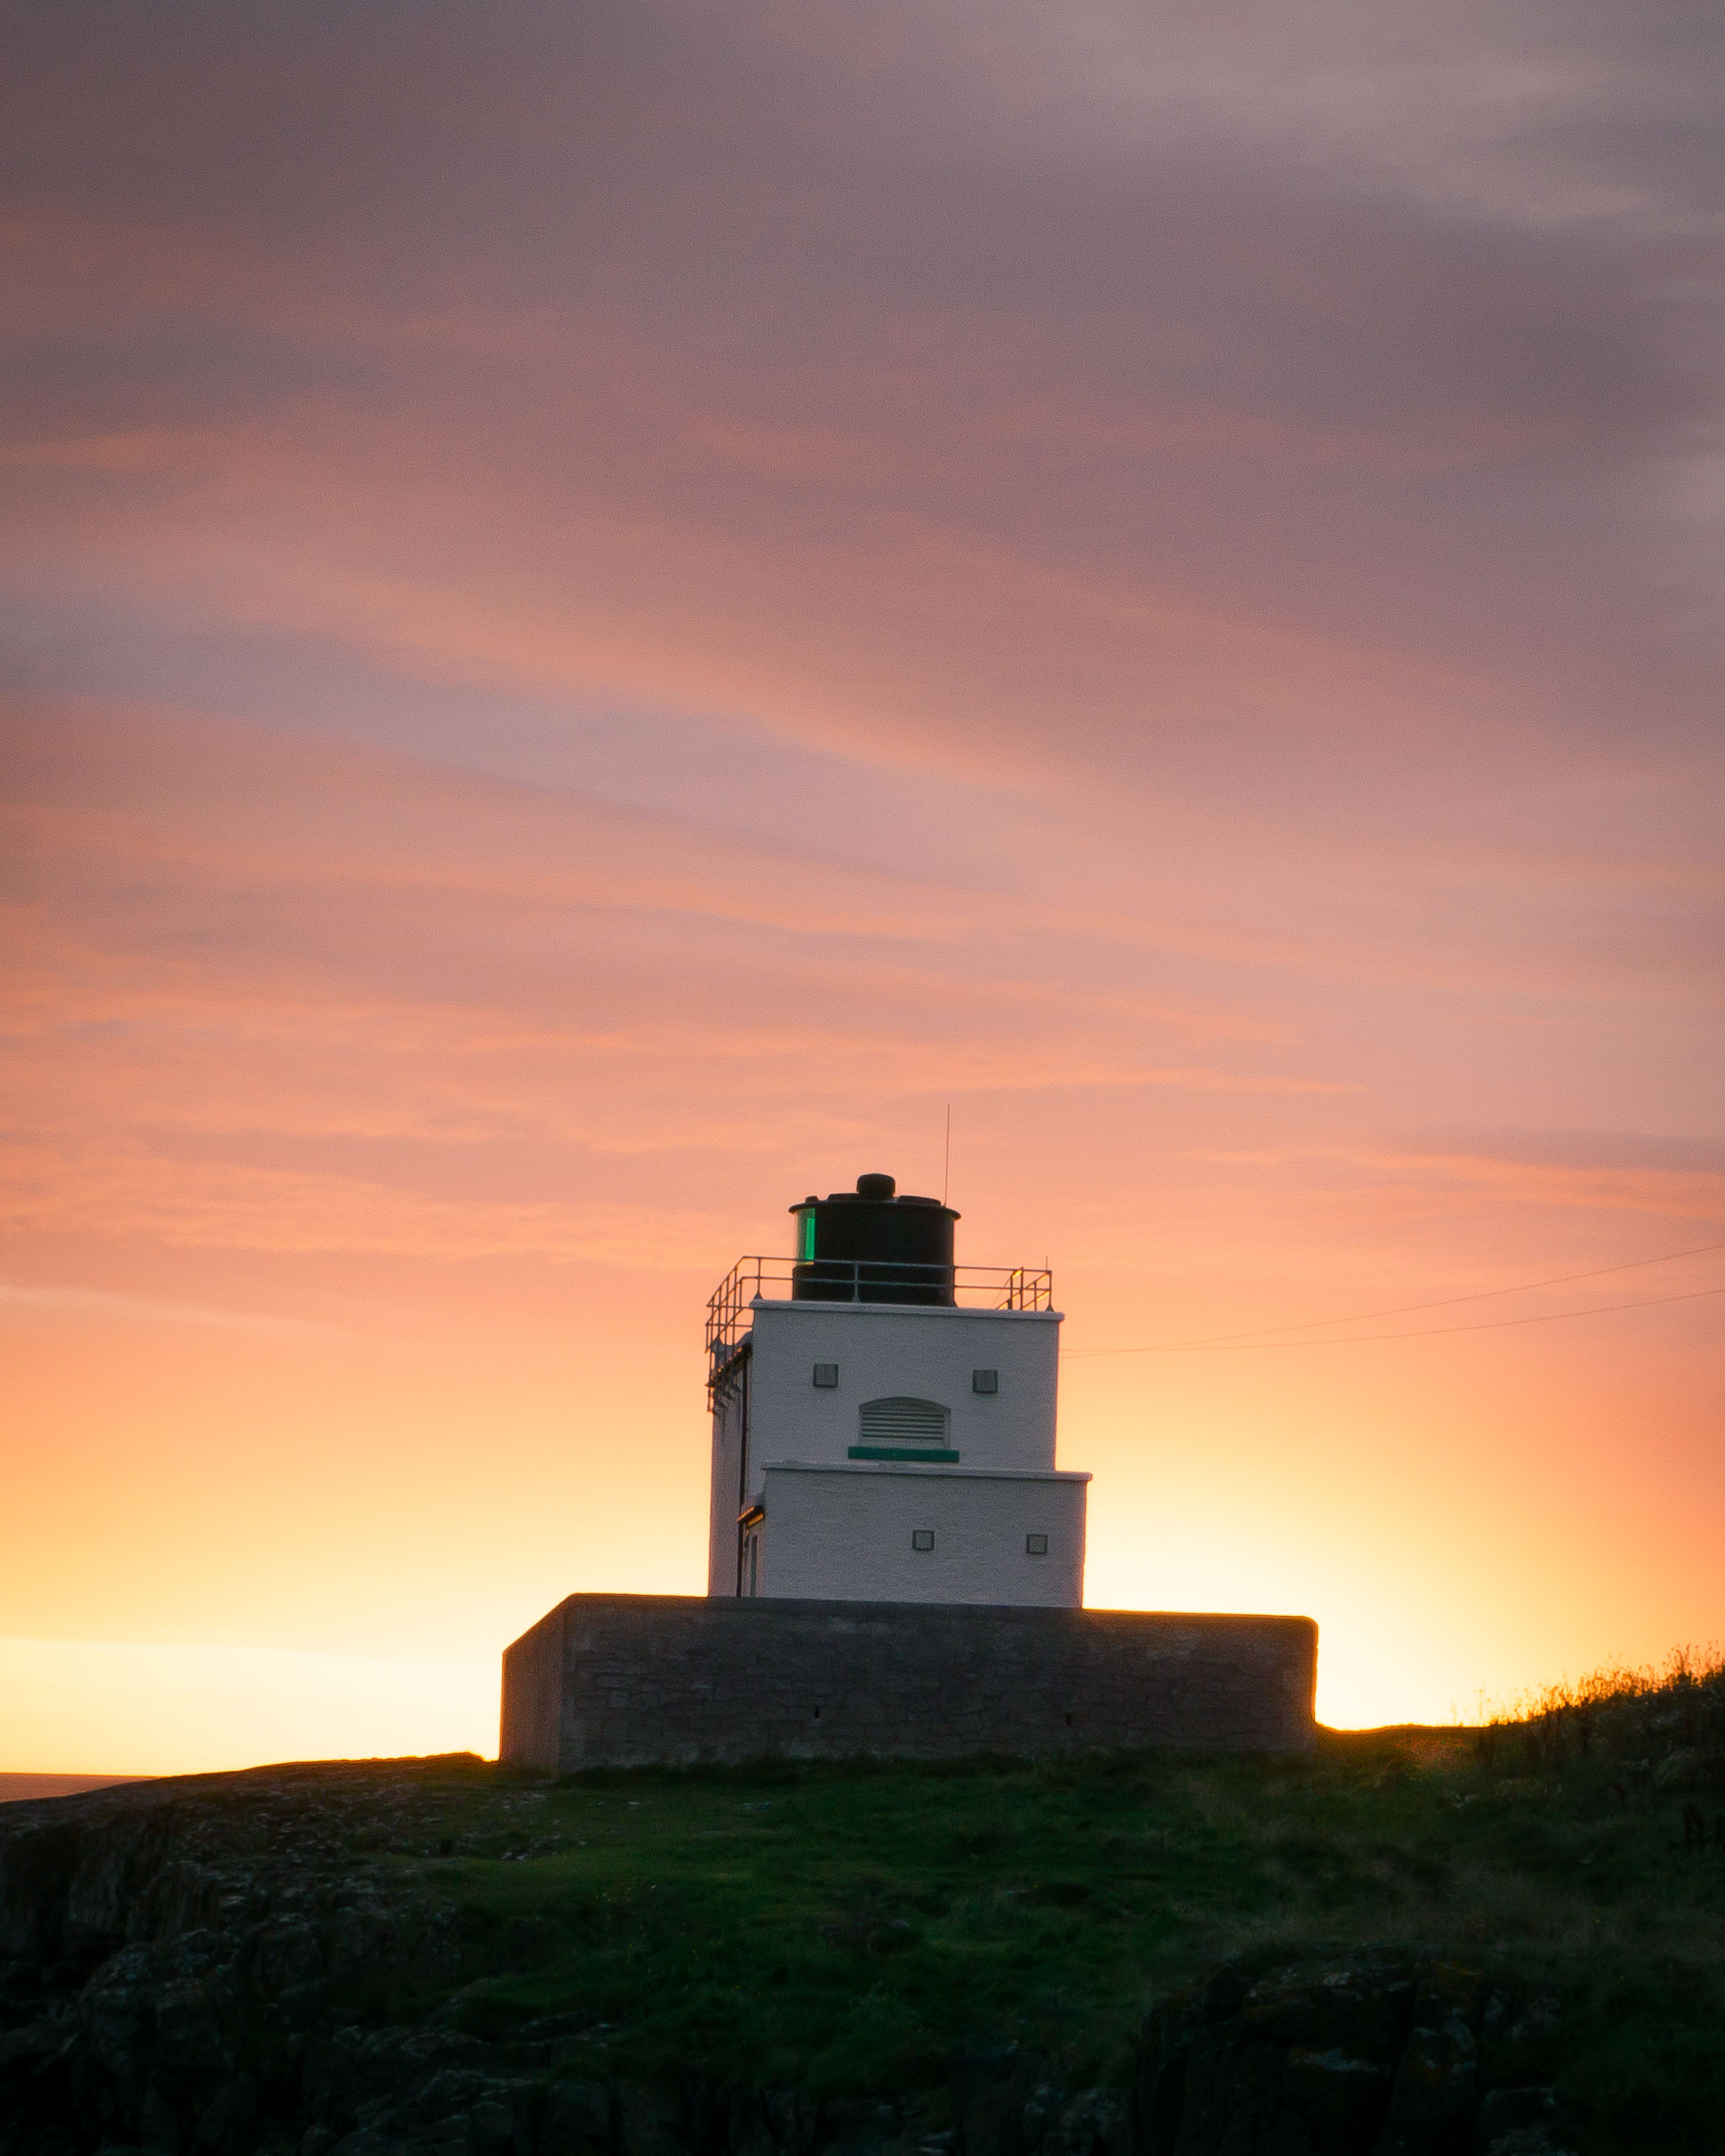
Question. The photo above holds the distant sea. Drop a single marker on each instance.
(15, 1788)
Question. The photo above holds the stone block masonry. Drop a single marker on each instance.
(640, 1680)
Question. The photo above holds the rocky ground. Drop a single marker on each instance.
(267, 1962)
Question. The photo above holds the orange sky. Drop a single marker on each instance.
(599, 617)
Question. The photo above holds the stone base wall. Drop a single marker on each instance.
(640, 1680)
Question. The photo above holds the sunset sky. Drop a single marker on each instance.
(603, 608)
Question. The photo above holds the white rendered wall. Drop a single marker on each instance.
(884, 1350)
(730, 1406)
(844, 1534)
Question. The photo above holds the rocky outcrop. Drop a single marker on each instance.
(175, 1957)
(1372, 2054)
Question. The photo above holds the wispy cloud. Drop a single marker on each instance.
(148, 1310)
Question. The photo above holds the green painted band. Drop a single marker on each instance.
(900, 1452)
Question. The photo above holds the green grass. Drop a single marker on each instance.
(840, 1929)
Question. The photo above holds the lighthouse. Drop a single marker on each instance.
(895, 1563)
(883, 1418)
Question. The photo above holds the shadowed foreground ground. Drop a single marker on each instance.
(891, 1955)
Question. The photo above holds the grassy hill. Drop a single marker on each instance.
(844, 1928)
(840, 1933)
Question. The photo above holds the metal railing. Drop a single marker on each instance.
(861, 1280)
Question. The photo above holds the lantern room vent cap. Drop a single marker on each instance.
(871, 1190)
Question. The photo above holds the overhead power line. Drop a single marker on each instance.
(1270, 1336)
(1487, 1324)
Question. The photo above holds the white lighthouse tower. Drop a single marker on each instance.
(884, 1420)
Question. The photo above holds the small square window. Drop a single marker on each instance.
(1036, 1545)
(826, 1375)
(923, 1538)
(985, 1381)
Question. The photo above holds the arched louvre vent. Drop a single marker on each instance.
(904, 1421)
